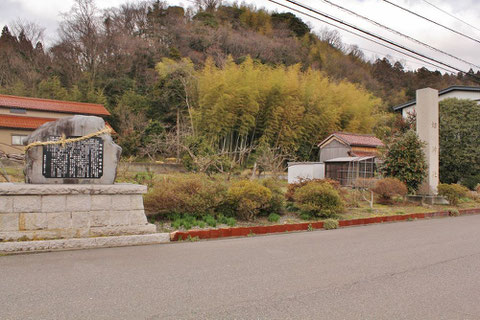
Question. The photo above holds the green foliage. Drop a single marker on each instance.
(452, 192)
(210, 221)
(207, 18)
(305, 216)
(248, 198)
(185, 221)
(290, 109)
(194, 194)
(231, 222)
(387, 188)
(277, 202)
(453, 212)
(404, 159)
(459, 142)
(273, 217)
(318, 199)
(292, 187)
(293, 23)
(145, 178)
(330, 224)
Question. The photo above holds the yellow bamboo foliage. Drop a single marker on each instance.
(291, 109)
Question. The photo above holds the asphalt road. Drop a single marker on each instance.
(426, 269)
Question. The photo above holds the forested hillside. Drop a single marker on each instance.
(230, 82)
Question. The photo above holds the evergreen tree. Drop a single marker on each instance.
(405, 160)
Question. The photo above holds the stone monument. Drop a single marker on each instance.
(85, 161)
(69, 191)
(427, 130)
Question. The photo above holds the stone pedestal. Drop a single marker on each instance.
(427, 130)
(38, 212)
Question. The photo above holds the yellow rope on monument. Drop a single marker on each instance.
(63, 141)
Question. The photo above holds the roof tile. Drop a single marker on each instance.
(20, 122)
(52, 105)
(359, 139)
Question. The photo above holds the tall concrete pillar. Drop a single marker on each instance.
(427, 130)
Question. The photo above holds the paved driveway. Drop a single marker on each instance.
(427, 269)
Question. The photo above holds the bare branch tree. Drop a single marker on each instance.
(208, 5)
(81, 30)
(32, 31)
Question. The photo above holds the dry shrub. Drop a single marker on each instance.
(388, 188)
(474, 195)
(192, 194)
(248, 198)
(477, 188)
(365, 183)
(318, 199)
(289, 195)
(453, 192)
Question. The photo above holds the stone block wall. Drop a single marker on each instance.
(34, 212)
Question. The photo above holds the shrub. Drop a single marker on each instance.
(387, 188)
(289, 195)
(187, 222)
(192, 194)
(318, 199)
(305, 216)
(470, 181)
(330, 224)
(221, 219)
(145, 178)
(248, 198)
(474, 195)
(453, 212)
(452, 192)
(277, 202)
(210, 221)
(405, 160)
(273, 217)
(231, 222)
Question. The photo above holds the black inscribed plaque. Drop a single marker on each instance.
(82, 159)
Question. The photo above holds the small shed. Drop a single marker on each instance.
(347, 170)
(342, 145)
(305, 170)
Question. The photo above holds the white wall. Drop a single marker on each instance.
(472, 95)
(305, 170)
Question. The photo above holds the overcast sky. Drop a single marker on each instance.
(47, 14)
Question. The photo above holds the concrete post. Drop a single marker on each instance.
(427, 130)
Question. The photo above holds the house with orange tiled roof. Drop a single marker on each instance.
(342, 144)
(349, 156)
(20, 116)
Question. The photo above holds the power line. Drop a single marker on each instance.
(391, 55)
(377, 37)
(430, 20)
(366, 38)
(451, 15)
(399, 33)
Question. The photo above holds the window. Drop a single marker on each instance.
(18, 110)
(17, 140)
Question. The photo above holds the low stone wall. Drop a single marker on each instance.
(37, 212)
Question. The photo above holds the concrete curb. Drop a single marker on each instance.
(245, 231)
(83, 243)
